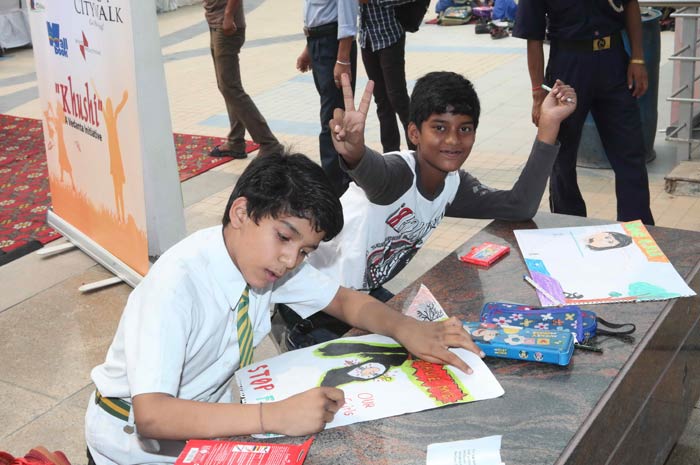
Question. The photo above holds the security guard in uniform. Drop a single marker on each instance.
(587, 52)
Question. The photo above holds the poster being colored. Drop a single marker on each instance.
(379, 378)
(599, 264)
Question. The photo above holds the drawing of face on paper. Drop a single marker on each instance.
(363, 362)
(369, 370)
(606, 240)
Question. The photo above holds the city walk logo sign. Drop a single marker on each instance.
(59, 44)
(100, 10)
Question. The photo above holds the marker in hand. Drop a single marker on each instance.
(549, 89)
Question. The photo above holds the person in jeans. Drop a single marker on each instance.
(227, 34)
(330, 27)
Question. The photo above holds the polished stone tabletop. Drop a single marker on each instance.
(586, 412)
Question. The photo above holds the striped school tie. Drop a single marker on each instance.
(245, 330)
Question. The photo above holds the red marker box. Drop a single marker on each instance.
(485, 254)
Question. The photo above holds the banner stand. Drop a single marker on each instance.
(94, 250)
(115, 189)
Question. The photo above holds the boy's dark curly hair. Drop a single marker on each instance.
(443, 92)
(287, 183)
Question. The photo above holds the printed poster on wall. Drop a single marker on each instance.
(599, 264)
(379, 378)
(90, 99)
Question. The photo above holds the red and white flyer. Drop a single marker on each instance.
(214, 452)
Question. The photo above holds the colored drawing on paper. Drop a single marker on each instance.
(378, 377)
(605, 263)
(382, 363)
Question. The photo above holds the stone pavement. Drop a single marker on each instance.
(53, 336)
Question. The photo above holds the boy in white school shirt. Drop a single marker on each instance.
(166, 375)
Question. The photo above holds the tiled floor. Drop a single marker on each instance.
(52, 335)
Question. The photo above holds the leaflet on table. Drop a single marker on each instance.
(425, 307)
(484, 451)
(214, 452)
(599, 264)
(379, 378)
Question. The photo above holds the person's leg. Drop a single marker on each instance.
(319, 327)
(323, 52)
(617, 118)
(388, 129)
(242, 111)
(305, 332)
(574, 69)
(393, 66)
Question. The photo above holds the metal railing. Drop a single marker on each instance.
(684, 132)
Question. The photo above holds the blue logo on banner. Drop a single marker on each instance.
(60, 45)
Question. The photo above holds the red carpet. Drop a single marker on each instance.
(24, 184)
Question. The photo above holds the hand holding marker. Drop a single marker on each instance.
(549, 89)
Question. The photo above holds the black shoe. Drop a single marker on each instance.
(304, 332)
(499, 33)
(237, 154)
(482, 28)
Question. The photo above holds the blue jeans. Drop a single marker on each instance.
(323, 52)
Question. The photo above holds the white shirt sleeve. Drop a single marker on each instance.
(306, 291)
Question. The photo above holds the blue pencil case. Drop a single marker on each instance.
(584, 324)
(534, 345)
(567, 318)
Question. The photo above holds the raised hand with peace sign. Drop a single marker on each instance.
(348, 127)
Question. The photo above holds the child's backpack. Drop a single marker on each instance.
(442, 5)
(455, 15)
(482, 12)
(410, 15)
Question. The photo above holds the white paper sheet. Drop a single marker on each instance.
(484, 451)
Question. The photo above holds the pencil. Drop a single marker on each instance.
(549, 89)
(539, 288)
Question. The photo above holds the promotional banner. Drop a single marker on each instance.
(105, 124)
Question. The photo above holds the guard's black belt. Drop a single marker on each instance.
(594, 45)
(330, 29)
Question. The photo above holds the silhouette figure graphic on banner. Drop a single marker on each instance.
(373, 361)
(116, 167)
(54, 124)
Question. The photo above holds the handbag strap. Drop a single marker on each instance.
(622, 328)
